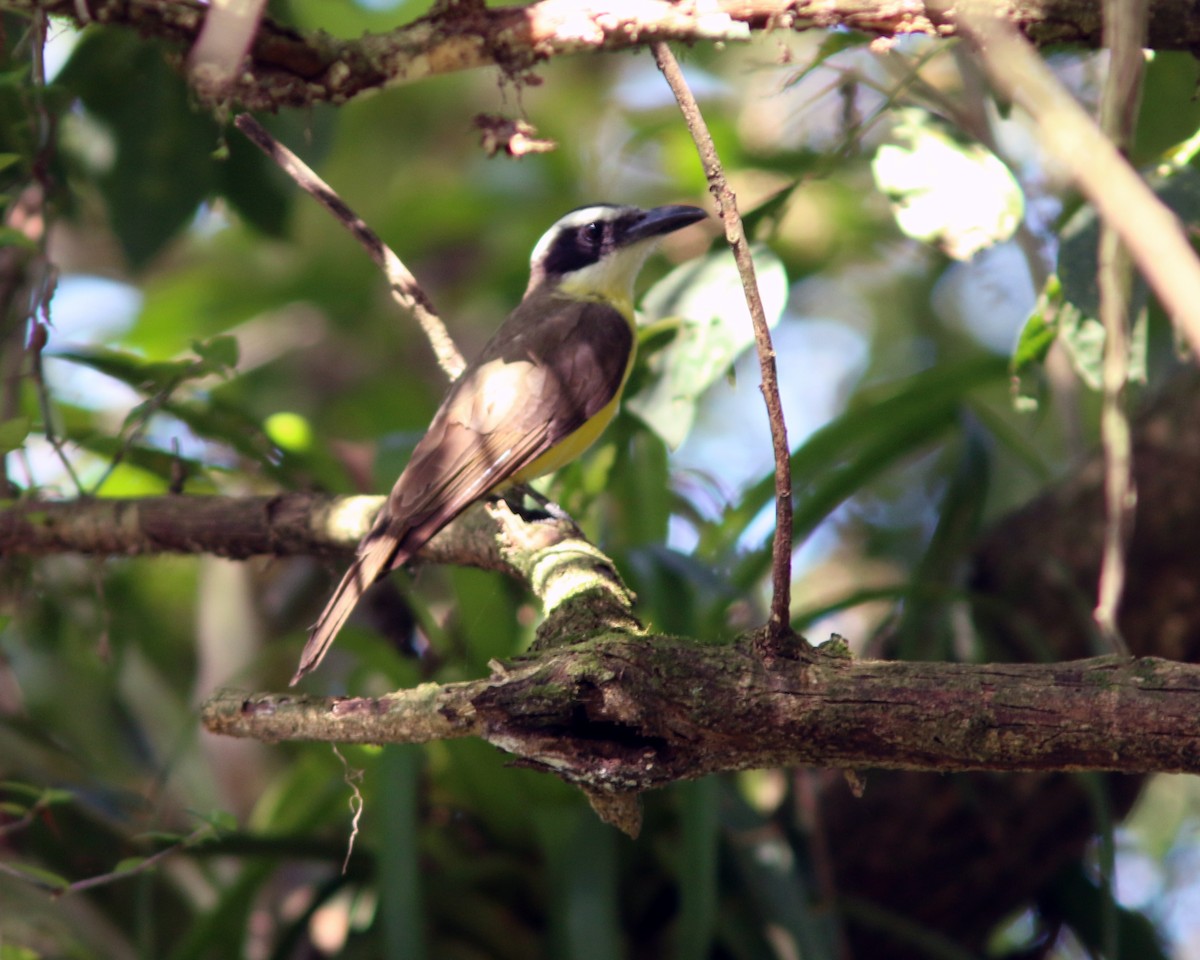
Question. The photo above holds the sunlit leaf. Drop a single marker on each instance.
(959, 196)
(289, 431)
(1036, 338)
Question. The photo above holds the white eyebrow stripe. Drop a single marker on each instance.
(574, 219)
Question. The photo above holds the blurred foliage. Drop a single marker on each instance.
(257, 350)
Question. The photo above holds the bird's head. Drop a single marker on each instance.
(595, 253)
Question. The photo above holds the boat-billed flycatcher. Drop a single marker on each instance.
(543, 389)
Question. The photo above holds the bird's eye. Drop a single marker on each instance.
(593, 234)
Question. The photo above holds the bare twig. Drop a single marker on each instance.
(135, 429)
(1152, 233)
(27, 276)
(148, 863)
(37, 343)
(1125, 32)
(405, 289)
(779, 625)
(125, 871)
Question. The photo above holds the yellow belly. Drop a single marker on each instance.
(576, 443)
(570, 448)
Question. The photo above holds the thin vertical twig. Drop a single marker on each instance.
(779, 625)
(1124, 34)
(405, 289)
(39, 276)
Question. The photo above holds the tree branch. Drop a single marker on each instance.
(578, 586)
(290, 524)
(623, 713)
(286, 68)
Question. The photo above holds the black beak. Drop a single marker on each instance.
(661, 220)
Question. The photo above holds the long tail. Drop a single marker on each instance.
(376, 559)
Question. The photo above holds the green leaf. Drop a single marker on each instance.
(40, 796)
(218, 354)
(163, 168)
(47, 879)
(1169, 110)
(1037, 336)
(1076, 899)
(1084, 337)
(772, 876)
(254, 186)
(12, 237)
(696, 876)
(13, 433)
(926, 631)
(402, 911)
(580, 854)
(706, 298)
(882, 428)
(11, 951)
(145, 376)
(1077, 254)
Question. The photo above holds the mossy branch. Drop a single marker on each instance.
(623, 713)
(287, 68)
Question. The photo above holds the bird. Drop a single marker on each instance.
(540, 392)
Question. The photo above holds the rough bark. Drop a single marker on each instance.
(626, 713)
(286, 68)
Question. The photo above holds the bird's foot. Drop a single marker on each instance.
(515, 498)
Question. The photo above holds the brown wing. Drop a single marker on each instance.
(552, 366)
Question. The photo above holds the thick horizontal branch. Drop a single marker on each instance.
(288, 524)
(628, 713)
(286, 68)
(566, 573)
